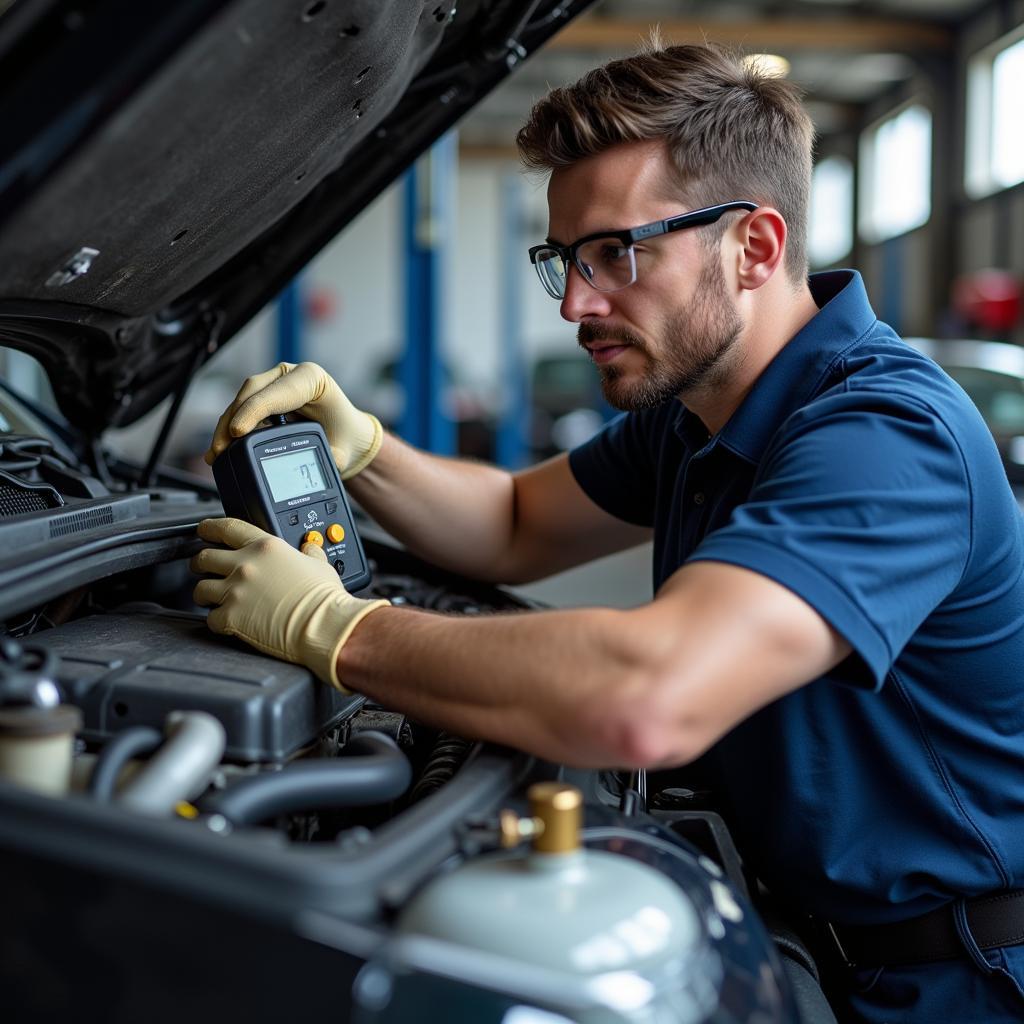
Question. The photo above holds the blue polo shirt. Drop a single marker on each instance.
(861, 477)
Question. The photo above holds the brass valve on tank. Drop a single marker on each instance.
(554, 824)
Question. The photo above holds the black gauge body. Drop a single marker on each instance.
(283, 479)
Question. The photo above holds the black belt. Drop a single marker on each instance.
(996, 919)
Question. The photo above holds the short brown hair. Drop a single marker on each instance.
(733, 130)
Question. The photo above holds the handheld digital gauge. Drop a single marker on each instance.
(282, 479)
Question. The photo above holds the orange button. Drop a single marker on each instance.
(335, 533)
(314, 537)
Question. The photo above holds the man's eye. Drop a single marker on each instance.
(613, 253)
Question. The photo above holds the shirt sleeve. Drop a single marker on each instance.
(862, 507)
(616, 467)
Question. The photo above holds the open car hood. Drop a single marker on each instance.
(166, 169)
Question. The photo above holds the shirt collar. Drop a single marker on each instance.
(791, 378)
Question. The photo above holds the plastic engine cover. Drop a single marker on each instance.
(133, 668)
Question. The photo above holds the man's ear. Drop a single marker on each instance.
(762, 235)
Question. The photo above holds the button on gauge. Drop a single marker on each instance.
(335, 533)
(313, 537)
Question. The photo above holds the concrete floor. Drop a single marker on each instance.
(618, 581)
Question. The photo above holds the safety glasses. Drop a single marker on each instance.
(607, 259)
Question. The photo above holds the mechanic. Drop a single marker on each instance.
(839, 609)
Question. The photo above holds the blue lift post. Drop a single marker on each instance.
(429, 194)
(512, 445)
(288, 316)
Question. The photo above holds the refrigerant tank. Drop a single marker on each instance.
(576, 910)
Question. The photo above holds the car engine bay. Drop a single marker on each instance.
(209, 782)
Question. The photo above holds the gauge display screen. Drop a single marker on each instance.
(293, 474)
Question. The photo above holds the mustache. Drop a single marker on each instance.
(587, 333)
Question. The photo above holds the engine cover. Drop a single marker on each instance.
(135, 668)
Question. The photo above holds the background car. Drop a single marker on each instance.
(992, 373)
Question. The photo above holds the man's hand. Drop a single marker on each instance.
(355, 437)
(284, 602)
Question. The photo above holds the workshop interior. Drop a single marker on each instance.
(192, 192)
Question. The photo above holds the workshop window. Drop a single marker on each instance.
(995, 144)
(830, 227)
(896, 174)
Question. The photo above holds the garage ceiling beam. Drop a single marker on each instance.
(777, 35)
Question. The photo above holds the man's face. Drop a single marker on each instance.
(674, 329)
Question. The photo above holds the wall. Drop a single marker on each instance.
(369, 327)
(990, 231)
(910, 278)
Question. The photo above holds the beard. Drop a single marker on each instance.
(695, 342)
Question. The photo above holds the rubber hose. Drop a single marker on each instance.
(372, 771)
(446, 758)
(116, 753)
(180, 768)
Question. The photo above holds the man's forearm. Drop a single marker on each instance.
(557, 684)
(452, 512)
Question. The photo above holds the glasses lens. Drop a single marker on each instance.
(607, 263)
(551, 270)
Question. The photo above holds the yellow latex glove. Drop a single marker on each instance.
(355, 437)
(283, 602)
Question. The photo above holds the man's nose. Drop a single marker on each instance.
(580, 299)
